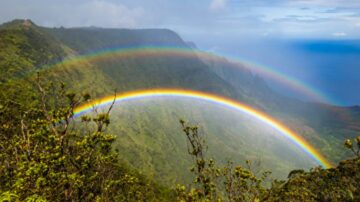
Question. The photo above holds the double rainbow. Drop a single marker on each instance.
(223, 101)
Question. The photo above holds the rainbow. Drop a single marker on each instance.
(287, 80)
(235, 105)
(152, 51)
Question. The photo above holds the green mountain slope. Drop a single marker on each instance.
(149, 135)
(152, 140)
(85, 40)
(148, 71)
(24, 47)
(323, 125)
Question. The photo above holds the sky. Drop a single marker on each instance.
(275, 33)
(194, 18)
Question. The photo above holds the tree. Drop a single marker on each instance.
(46, 154)
(238, 183)
(215, 183)
(349, 144)
(341, 183)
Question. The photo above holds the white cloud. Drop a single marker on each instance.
(70, 14)
(339, 34)
(97, 12)
(216, 5)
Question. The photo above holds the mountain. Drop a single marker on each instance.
(149, 136)
(24, 47)
(153, 71)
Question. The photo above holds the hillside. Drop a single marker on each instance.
(322, 124)
(148, 134)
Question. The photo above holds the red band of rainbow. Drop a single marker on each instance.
(235, 105)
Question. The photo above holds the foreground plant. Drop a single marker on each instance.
(238, 183)
(349, 144)
(215, 183)
(45, 155)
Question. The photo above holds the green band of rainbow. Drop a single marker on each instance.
(235, 105)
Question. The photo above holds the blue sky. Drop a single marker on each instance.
(194, 18)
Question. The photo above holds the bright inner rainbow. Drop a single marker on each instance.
(235, 105)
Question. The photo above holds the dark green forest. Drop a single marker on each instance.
(47, 154)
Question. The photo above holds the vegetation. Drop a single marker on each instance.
(24, 48)
(45, 157)
(213, 183)
(341, 183)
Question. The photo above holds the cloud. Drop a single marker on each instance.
(339, 34)
(300, 18)
(97, 12)
(265, 34)
(331, 10)
(74, 14)
(216, 5)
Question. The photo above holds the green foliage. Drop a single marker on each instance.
(24, 47)
(214, 183)
(335, 184)
(46, 155)
(349, 144)
(238, 183)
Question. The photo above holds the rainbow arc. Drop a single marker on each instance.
(168, 51)
(295, 138)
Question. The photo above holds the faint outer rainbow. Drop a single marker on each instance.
(148, 51)
(153, 93)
